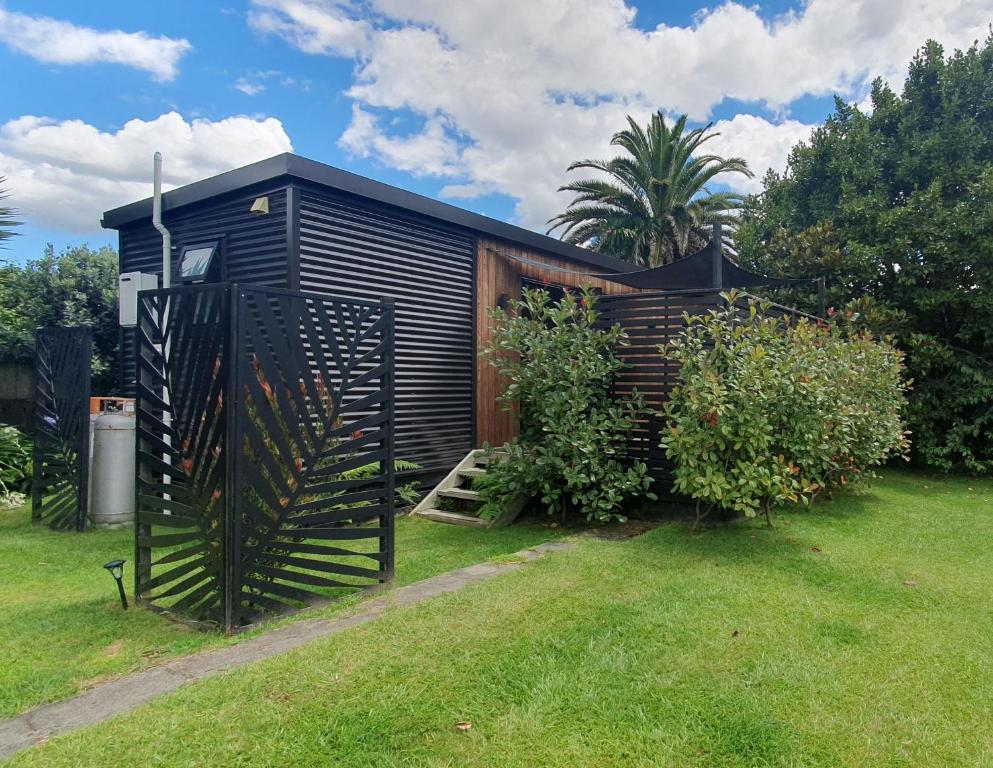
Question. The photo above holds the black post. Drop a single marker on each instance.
(142, 530)
(717, 253)
(120, 589)
(821, 298)
(36, 455)
(83, 409)
(387, 565)
(233, 458)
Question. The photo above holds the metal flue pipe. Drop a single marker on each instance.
(166, 282)
(157, 220)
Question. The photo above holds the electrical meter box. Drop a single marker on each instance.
(128, 285)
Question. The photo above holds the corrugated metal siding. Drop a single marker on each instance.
(350, 249)
(254, 246)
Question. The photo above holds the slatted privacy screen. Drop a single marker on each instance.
(60, 487)
(266, 477)
(652, 320)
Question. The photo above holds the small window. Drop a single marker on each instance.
(195, 261)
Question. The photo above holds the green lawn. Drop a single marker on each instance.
(62, 628)
(855, 634)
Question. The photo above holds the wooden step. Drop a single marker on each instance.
(473, 465)
(453, 518)
(484, 459)
(459, 493)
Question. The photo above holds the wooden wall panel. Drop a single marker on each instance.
(498, 273)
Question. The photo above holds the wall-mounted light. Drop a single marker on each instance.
(116, 569)
(260, 206)
(504, 301)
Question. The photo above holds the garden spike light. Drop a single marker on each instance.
(116, 569)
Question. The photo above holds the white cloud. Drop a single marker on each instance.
(52, 41)
(313, 26)
(763, 144)
(509, 93)
(430, 152)
(65, 174)
(248, 87)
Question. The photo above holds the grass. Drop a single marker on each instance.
(62, 629)
(855, 634)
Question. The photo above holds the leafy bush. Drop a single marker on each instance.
(77, 287)
(893, 203)
(573, 439)
(15, 466)
(406, 495)
(768, 413)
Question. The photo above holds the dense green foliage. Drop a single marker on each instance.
(894, 208)
(573, 437)
(767, 414)
(15, 466)
(8, 216)
(654, 206)
(77, 287)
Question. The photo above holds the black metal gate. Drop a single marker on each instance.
(264, 451)
(59, 485)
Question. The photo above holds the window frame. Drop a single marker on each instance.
(209, 273)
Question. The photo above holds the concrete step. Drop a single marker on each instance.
(472, 472)
(453, 518)
(459, 493)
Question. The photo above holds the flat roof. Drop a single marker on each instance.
(294, 166)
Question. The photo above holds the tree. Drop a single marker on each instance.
(654, 206)
(893, 207)
(8, 215)
(77, 287)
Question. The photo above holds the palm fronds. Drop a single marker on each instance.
(8, 215)
(652, 204)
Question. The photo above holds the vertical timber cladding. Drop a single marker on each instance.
(266, 475)
(651, 320)
(499, 274)
(253, 250)
(60, 470)
(351, 248)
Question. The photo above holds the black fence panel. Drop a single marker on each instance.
(182, 342)
(651, 320)
(266, 470)
(59, 486)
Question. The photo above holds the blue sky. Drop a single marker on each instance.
(480, 107)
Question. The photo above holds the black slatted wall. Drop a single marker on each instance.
(354, 250)
(254, 250)
(651, 319)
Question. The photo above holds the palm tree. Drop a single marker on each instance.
(7, 220)
(654, 207)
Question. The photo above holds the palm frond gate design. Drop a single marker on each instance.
(59, 486)
(254, 408)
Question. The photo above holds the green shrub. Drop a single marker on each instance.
(406, 495)
(571, 452)
(15, 466)
(767, 413)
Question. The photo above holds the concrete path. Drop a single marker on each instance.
(127, 693)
